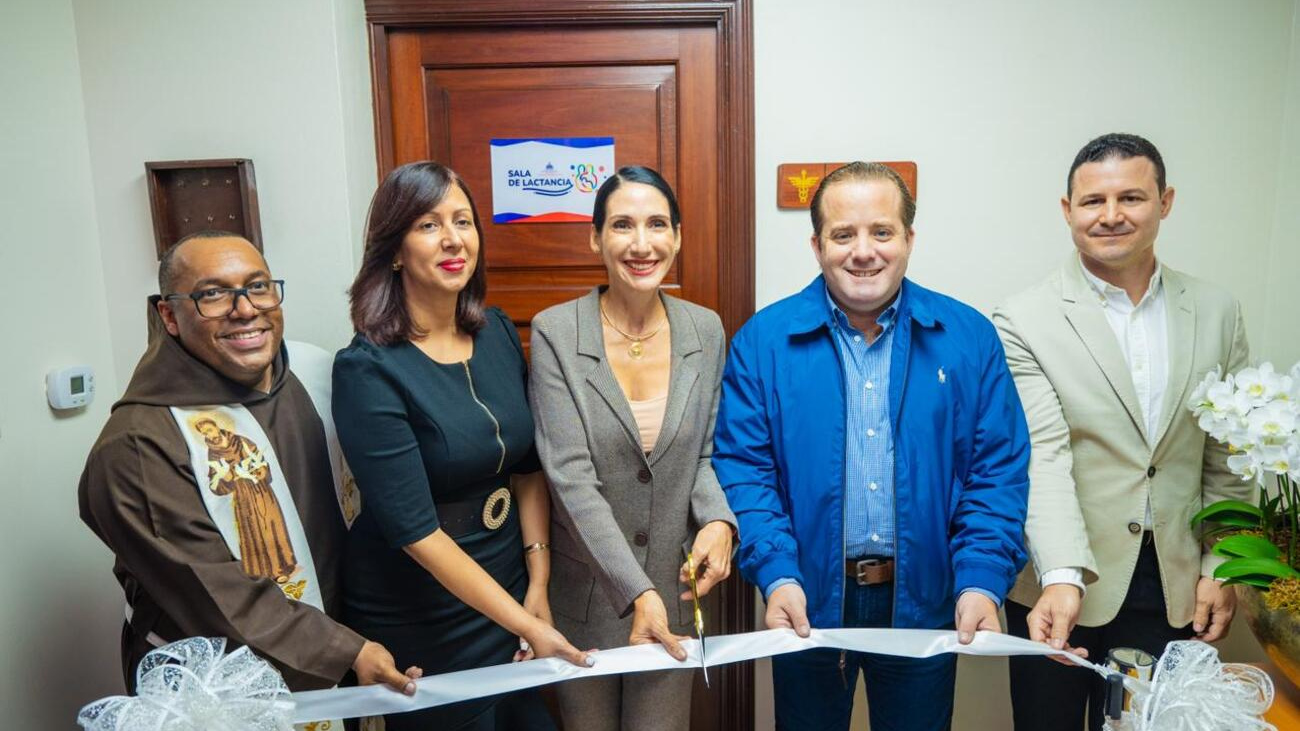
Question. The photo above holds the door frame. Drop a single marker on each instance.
(733, 21)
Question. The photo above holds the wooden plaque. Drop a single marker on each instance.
(188, 196)
(796, 182)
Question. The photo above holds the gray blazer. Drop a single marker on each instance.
(620, 517)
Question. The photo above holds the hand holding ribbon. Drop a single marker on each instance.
(650, 625)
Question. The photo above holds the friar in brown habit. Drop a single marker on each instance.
(216, 354)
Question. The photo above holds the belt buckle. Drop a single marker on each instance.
(499, 500)
(861, 566)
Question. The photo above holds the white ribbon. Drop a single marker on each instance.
(436, 690)
(192, 684)
(1192, 691)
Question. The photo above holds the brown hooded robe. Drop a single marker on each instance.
(139, 495)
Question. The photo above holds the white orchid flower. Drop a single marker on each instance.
(1256, 412)
(1276, 458)
(1197, 401)
(1245, 466)
(1262, 384)
(1239, 436)
(1218, 427)
(1272, 423)
(1219, 408)
(1220, 401)
(1241, 403)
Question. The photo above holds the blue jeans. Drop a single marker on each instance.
(812, 693)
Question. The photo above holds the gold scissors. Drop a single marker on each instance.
(699, 615)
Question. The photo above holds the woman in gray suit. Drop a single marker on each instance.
(624, 390)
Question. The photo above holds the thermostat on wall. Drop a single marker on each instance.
(70, 388)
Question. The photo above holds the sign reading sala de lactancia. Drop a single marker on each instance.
(548, 179)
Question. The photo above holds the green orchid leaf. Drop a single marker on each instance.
(1234, 521)
(1254, 581)
(1254, 570)
(1246, 546)
(1230, 512)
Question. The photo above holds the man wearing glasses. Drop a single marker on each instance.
(217, 482)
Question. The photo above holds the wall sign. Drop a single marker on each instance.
(548, 179)
(797, 181)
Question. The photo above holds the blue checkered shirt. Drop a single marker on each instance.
(868, 441)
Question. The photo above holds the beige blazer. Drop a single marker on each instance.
(1093, 464)
(620, 517)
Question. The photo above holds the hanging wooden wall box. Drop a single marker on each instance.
(188, 196)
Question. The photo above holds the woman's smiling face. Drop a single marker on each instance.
(638, 241)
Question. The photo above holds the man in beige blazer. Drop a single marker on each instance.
(1105, 353)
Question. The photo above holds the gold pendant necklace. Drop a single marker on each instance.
(635, 351)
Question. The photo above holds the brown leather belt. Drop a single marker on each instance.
(870, 571)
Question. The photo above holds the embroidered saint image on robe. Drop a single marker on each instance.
(236, 468)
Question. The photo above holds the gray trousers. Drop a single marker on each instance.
(652, 701)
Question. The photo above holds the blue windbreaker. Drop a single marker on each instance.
(961, 451)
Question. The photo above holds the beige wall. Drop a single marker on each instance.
(91, 90)
(1281, 338)
(991, 99)
(279, 82)
(61, 611)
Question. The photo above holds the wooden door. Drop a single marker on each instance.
(669, 81)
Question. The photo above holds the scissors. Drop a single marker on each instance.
(699, 615)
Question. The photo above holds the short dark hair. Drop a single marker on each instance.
(633, 174)
(864, 171)
(1117, 145)
(378, 301)
(167, 264)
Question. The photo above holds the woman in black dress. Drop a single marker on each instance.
(447, 564)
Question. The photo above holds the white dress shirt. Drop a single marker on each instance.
(1142, 333)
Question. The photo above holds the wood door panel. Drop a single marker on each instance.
(523, 293)
(467, 108)
(528, 48)
(670, 80)
(697, 183)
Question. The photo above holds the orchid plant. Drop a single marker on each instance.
(1256, 412)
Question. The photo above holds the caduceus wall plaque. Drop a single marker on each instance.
(796, 182)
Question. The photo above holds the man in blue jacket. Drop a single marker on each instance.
(872, 445)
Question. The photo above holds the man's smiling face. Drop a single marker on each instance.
(863, 245)
(241, 345)
(1114, 212)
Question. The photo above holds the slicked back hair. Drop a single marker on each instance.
(1117, 145)
(167, 264)
(633, 174)
(864, 171)
(378, 299)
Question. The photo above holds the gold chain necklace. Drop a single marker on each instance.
(634, 351)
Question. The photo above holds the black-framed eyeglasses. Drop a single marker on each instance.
(216, 302)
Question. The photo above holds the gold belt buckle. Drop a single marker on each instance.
(496, 508)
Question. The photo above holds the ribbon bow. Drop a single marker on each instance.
(1191, 690)
(193, 685)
